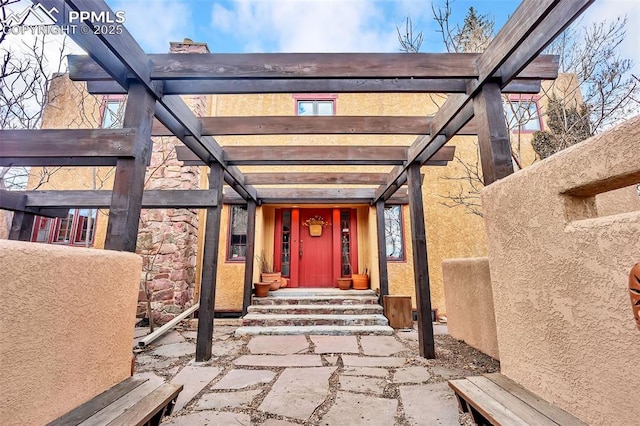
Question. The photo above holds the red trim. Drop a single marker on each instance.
(353, 231)
(277, 241)
(295, 247)
(336, 246)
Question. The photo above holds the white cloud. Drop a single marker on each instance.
(308, 25)
(155, 23)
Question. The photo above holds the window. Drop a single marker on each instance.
(318, 104)
(237, 248)
(523, 115)
(393, 232)
(112, 112)
(77, 229)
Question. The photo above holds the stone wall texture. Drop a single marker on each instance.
(559, 268)
(470, 314)
(66, 327)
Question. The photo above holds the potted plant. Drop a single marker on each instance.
(344, 283)
(360, 281)
(267, 274)
(261, 289)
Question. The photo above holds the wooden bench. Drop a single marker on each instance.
(494, 399)
(134, 401)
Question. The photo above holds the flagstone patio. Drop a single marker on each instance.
(312, 380)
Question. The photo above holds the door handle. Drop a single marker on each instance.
(300, 251)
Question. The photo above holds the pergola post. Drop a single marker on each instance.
(128, 184)
(382, 249)
(209, 267)
(249, 255)
(21, 226)
(420, 264)
(493, 135)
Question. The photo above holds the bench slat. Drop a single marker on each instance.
(551, 411)
(125, 402)
(89, 408)
(490, 409)
(148, 407)
(521, 409)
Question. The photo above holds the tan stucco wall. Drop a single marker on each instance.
(470, 313)
(66, 327)
(560, 272)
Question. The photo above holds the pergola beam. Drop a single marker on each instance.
(307, 125)
(510, 46)
(177, 66)
(89, 199)
(274, 155)
(120, 57)
(61, 147)
(317, 178)
(319, 196)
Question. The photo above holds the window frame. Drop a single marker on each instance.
(314, 97)
(75, 227)
(402, 257)
(532, 100)
(228, 258)
(104, 108)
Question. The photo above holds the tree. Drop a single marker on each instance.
(604, 91)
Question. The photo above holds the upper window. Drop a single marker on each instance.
(112, 113)
(77, 229)
(393, 232)
(523, 115)
(315, 104)
(237, 248)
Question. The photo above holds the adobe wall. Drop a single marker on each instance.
(469, 299)
(66, 327)
(560, 271)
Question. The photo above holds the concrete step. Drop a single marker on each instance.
(315, 300)
(320, 292)
(268, 320)
(291, 309)
(379, 330)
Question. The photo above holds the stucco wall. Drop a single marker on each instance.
(469, 299)
(66, 327)
(560, 272)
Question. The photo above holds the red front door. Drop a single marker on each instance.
(315, 264)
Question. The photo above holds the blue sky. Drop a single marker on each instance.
(242, 26)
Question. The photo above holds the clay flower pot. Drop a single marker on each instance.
(360, 281)
(262, 289)
(274, 285)
(268, 277)
(344, 283)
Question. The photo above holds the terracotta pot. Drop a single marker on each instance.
(268, 277)
(262, 289)
(284, 282)
(274, 285)
(344, 283)
(360, 281)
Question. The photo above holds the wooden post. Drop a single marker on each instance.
(420, 263)
(493, 135)
(209, 267)
(128, 185)
(249, 255)
(382, 249)
(21, 226)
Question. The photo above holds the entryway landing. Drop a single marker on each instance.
(316, 311)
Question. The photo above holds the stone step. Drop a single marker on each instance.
(267, 320)
(320, 292)
(292, 309)
(315, 300)
(379, 330)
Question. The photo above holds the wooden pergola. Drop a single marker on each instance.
(116, 64)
